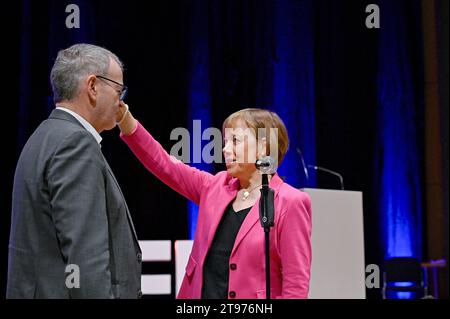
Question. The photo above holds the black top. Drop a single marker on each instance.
(215, 270)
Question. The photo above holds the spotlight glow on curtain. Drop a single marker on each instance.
(397, 154)
(198, 92)
(293, 87)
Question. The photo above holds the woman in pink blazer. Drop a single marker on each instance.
(228, 258)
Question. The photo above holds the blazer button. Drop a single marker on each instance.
(232, 294)
(139, 257)
(139, 294)
(233, 266)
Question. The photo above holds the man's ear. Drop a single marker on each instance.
(91, 84)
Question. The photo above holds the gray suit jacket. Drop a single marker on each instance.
(68, 209)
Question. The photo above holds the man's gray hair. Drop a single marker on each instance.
(75, 63)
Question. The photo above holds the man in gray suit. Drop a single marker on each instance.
(71, 232)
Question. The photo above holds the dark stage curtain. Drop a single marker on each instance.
(341, 88)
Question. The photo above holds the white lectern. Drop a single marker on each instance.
(338, 267)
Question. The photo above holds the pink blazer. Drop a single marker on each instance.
(290, 238)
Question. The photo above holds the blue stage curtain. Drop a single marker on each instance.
(263, 59)
(398, 170)
(199, 100)
(211, 58)
(43, 34)
(293, 86)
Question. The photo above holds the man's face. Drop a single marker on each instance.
(108, 98)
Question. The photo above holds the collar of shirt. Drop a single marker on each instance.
(83, 122)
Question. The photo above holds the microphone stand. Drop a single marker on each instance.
(266, 216)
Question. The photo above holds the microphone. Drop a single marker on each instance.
(318, 168)
(266, 165)
(303, 164)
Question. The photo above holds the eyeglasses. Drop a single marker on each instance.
(124, 88)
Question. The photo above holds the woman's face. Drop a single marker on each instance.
(240, 150)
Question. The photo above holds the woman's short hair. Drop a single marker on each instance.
(255, 119)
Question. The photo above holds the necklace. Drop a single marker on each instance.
(247, 192)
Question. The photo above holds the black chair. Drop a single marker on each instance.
(404, 274)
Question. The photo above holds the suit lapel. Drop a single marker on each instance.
(229, 193)
(130, 221)
(249, 221)
(253, 215)
(219, 211)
